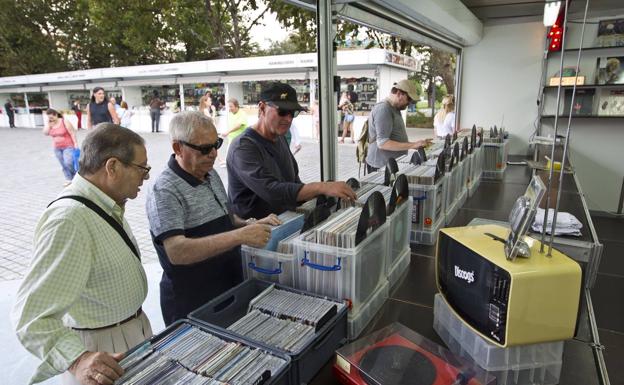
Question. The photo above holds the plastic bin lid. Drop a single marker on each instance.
(397, 355)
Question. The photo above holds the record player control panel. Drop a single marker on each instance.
(499, 298)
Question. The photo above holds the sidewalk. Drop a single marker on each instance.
(32, 178)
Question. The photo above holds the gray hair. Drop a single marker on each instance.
(105, 141)
(185, 123)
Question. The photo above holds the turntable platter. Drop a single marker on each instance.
(397, 365)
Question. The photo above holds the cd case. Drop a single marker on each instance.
(396, 355)
(190, 353)
(304, 326)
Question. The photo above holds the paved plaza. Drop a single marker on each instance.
(31, 178)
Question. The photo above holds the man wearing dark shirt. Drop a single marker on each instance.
(263, 175)
(8, 108)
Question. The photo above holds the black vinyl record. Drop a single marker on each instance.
(391, 170)
(473, 138)
(447, 141)
(464, 147)
(400, 192)
(440, 167)
(397, 365)
(316, 216)
(373, 215)
(416, 159)
(423, 154)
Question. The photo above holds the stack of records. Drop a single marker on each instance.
(339, 230)
(306, 207)
(377, 177)
(189, 355)
(421, 175)
(365, 191)
(292, 223)
(285, 246)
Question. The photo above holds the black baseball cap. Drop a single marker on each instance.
(282, 95)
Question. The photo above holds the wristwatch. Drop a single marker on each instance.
(250, 221)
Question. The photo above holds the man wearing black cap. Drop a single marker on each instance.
(386, 128)
(263, 175)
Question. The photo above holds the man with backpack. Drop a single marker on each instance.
(387, 137)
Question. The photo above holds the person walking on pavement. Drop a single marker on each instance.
(64, 137)
(10, 111)
(100, 110)
(156, 105)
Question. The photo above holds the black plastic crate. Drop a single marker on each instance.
(279, 378)
(232, 305)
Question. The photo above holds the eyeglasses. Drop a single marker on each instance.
(282, 112)
(146, 169)
(206, 148)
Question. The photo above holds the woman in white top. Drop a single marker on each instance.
(125, 115)
(444, 120)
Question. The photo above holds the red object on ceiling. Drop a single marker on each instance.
(555, 33)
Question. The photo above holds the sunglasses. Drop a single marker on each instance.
(206, 148)
(283, 112)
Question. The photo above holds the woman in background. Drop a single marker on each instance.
(64, 139)
(125, 115)
(100, 110)
(156, 105)
(78, 112)
(347, 124)
(444, 120)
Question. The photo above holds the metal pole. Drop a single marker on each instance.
(182, 104)
(326, 52)
(567, 136)
(458, 86)
(554, 145)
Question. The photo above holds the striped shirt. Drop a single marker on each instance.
(82, 275)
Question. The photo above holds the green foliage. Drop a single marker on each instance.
(418, 119)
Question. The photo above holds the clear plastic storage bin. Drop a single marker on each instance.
(454, 207)
(426, 237)
(495, 156)
(351, 274)
(428, 202)
(398, 355)
(269, 266)
(516, 365)
(453, 187)
(361, 317)
(399, 267)
(399, 224)
(497, 175)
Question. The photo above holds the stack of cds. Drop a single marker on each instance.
(283, 334)
(285, 319)
(189, 355)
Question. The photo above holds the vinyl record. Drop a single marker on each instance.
(447, 141)
(416, 159)
(391, 170)
(373, 215)
(473, 138)
(353, 183)
(423, 154)
(400, 192)
(464, 147)
(440, 167)
(316, 216)
(397, 365)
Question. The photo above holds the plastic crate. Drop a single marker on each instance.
(426, 237)
(477, 163)
(496, 175)
(453, 186)
(281, 377)
(351, 274)
(453, 208)
(399, 267)
(232, 305)
(495, 156)
(358, 320)
(472, 187)
(519, 365)
(399, 224)
(269, 266)
(428, 202)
